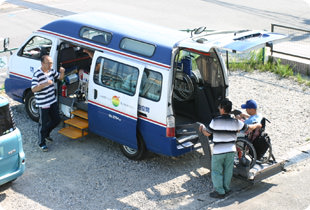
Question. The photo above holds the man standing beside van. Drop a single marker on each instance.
(224, 129)
(43, 87)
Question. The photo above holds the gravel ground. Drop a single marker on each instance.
(92, 173)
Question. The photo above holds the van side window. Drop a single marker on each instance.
(151, 85)
(36, 47)
(138, 47)
(95, 35)
(117, 76)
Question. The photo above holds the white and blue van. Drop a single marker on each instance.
(146, 86)
(12, 156)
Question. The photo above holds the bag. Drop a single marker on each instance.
(261, 145)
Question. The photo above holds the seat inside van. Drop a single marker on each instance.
(67, 58)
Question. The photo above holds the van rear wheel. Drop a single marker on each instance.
(135, 154)
(30, 105)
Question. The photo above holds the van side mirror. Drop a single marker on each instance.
(198, 30)
(6, 43)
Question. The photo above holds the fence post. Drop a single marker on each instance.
(263, 56)
(271, 47)
(227, 63)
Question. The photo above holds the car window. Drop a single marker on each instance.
(117, 76)
(151, 85)
(138, 47)
(95, 35)
(7, 124)
(36, 47)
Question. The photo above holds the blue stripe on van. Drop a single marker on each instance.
(107, 122)
(153, 133)
(164, 39)
(87, 43)
(156, 141)
(16, 85)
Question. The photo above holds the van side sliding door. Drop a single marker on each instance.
(113, 93)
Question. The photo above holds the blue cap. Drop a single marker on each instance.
(250, 104)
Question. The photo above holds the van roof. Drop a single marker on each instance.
(163, 38)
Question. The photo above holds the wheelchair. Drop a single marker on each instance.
(254, 147)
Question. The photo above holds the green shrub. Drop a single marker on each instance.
(254, 60)
(282, 70)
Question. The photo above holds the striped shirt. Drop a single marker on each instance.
(46, 96)
(224, 129)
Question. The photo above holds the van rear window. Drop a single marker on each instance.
(95, 35)
(138, 47)
(7, 124)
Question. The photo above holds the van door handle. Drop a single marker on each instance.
(95, 94)
(143, 114)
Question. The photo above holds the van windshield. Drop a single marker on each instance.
(7, 123)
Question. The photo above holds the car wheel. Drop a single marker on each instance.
(30, 105)
(135, 154)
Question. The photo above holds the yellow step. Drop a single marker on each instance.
(77, 122)
(80, 113)
(72, 132)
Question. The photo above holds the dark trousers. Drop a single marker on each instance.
(49, 119)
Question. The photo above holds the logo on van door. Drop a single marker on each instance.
(115, 101)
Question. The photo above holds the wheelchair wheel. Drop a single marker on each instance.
(245, 154)
(266, 158)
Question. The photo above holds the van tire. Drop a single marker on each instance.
(135, 154)
(30, 105)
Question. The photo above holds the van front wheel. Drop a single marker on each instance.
(30, 105)
(135, 154)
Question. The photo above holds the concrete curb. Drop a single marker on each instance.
(297, 155)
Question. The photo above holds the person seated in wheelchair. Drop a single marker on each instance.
(252, 116)
(256, 137)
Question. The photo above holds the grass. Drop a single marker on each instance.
(254, 61)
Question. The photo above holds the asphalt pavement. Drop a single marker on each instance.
(284, 191)
(287, 190)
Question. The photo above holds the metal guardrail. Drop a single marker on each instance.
(297, 46)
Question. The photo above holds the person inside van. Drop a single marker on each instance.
(90, 53)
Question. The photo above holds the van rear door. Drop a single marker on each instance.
(113, 97)
(239, 41)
